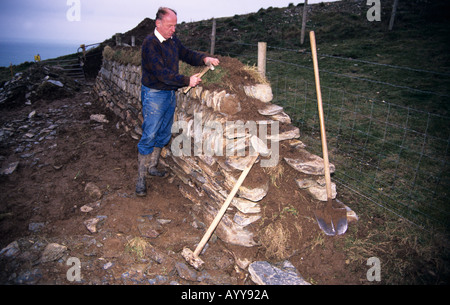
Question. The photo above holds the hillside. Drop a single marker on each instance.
(418, 41)
(53, 149)
(421, 28)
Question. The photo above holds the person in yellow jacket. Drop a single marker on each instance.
(37, 58)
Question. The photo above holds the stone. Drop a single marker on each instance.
(230, 105)
(271, 109)
(86, 209)
(320, 192)
(150, 230)
(290, 134)
(91, 224)
(11, 168)
(282, 117)
(52, 252)
(229, 231)
(239, 163)
(56, 83)
(100, 118)
(32, 114)
(244, 219)
(29, 277)
(10, 251)
(36, 227)
(93, 191)
(264, 273)
(246, 206)
(259, 146)
(262, 92)
(185, 272)
(164, 221)
(156, 255)
(295, 143)
(255, 194)
(308, 163)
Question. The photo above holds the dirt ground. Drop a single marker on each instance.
(48, 188)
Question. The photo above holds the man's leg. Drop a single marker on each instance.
(163, 136)
(154, 107)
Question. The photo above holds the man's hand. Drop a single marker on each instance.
(195, 80)
(213, 61)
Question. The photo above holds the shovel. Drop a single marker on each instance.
(332, 220)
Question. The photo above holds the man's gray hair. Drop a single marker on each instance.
(162, 11)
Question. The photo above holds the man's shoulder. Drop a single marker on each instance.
(150, 38)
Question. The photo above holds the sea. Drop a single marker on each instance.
(19, 52)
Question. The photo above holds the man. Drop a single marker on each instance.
(161, 53)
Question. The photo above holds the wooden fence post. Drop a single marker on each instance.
(213, 37)
(262, 53)
(302, 39)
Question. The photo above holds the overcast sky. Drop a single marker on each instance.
(91, 21)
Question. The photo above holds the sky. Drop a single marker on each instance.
(92, 21)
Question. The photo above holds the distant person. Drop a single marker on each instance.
(37, 58)
(161, 53)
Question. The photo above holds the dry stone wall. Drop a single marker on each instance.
(211, 147)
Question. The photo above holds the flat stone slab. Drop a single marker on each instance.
(264, 273)
(308, 163)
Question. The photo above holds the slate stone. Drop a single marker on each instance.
(264, 273)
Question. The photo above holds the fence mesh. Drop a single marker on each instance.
(394, 155)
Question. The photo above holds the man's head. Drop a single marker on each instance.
(166, 22)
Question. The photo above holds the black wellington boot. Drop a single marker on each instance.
(152, 166)
(141, 185)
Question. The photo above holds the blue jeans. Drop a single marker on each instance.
(158, 107)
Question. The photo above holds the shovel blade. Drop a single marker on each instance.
(332, 221)
(326, 226)
(341, 226)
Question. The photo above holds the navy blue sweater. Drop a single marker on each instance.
(160, 63)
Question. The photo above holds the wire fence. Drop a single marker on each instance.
(392, 154)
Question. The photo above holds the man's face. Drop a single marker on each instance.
(168, 25)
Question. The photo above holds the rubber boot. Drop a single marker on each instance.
(141, 185)
(152, 166)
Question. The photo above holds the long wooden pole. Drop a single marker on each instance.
(224, 208)
(326, 163)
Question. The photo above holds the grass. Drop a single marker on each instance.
(123, 55)
(274, 240)
(387, 123)
(211, 77)
(137, 246)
